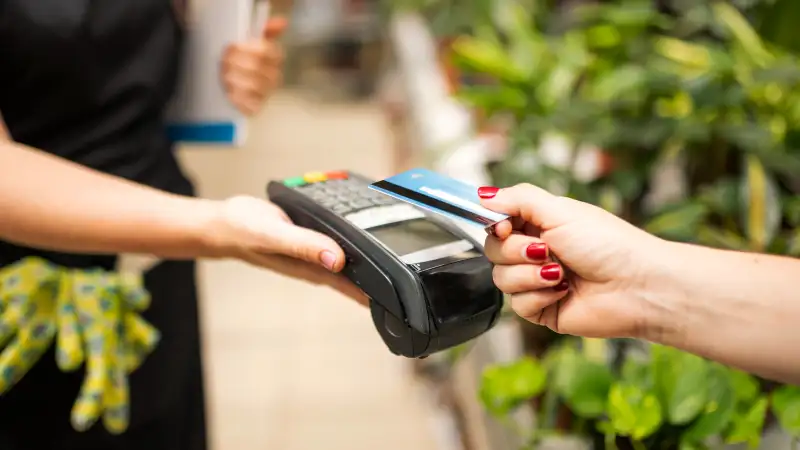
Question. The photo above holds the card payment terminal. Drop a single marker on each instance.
(429, 284)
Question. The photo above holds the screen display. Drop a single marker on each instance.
(412, 236)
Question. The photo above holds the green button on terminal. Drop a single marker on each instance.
(294, 182)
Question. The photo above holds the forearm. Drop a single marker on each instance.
(50, 203)
(741, 309)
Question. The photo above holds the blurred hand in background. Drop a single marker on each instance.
(253, 69)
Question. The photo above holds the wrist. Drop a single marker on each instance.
(663, 294)
(200, 221)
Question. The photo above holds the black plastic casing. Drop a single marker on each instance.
(403, 297)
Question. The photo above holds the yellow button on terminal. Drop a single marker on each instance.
(314, 177)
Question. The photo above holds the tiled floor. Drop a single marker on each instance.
(293, 366)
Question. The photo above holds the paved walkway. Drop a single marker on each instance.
(292, 366)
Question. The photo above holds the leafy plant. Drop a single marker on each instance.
(503, 388)
(672, 397)
(786, 406)
(711, 87)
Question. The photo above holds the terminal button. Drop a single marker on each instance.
(337, 175)
(294, 182)
(314, 177)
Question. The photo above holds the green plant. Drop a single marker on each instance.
(697, 85)
(669, 400)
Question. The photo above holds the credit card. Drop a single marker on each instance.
(439, 194)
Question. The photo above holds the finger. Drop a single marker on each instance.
(517, 223)
(140, 339)
(500, 230)
(250, 92)
(11, 368)
(13, 362)
(31, 342)
(504, 229)
(17, 310)
(253, 103)
(516, 249)
(533, 305)
(87, 299)
(116, 411)
(255, 54)
(532, 204)
(549, 317)
(88, 406)
(25, 276)
(253, 66)
(526, 277)
(235, 59)
(19, 284)
(245, 103)
(306, 245)
(279, 212)
(134, 295)
(312, 274)
(275, 27)
(36, 339)
(247, 86)
(69, 350)
(29, 309)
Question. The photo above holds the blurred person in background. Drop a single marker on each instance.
(617, 281)
(89, 82)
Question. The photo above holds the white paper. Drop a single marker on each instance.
(200, 112)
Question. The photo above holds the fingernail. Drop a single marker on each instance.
(561, 287)
(536, 251)
(328, 259)
(551, 272)
(487, 192)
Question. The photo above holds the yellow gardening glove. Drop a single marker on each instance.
(27, 289)
(98, 324)
(95, 316)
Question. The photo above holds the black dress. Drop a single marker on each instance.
(89, 80)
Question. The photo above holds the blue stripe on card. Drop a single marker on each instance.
(214, 133)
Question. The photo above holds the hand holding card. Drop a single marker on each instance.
(439, 194)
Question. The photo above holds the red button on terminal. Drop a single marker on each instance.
(337, 175)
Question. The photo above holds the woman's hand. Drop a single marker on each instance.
(599, 289)
(252, 69)
(260, 233)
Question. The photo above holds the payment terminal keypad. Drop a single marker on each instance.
(338, 192)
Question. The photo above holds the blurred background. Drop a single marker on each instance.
(681, 116)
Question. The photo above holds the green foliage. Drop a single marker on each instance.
(695, 399)
(633, 412)
(583, 384)
(786, 407)
(682, 382)
(621, 76)
(503, 388)
(712, 86)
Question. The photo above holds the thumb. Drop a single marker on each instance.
(308, 245)
(531, 203)
(275, 27)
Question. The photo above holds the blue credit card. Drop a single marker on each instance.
(439, 194)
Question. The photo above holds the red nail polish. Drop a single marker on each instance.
(487, 192)
(561, 287)
(536, 251)
(551, 272)
(491, 231)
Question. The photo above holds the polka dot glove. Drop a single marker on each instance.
(93, 316)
